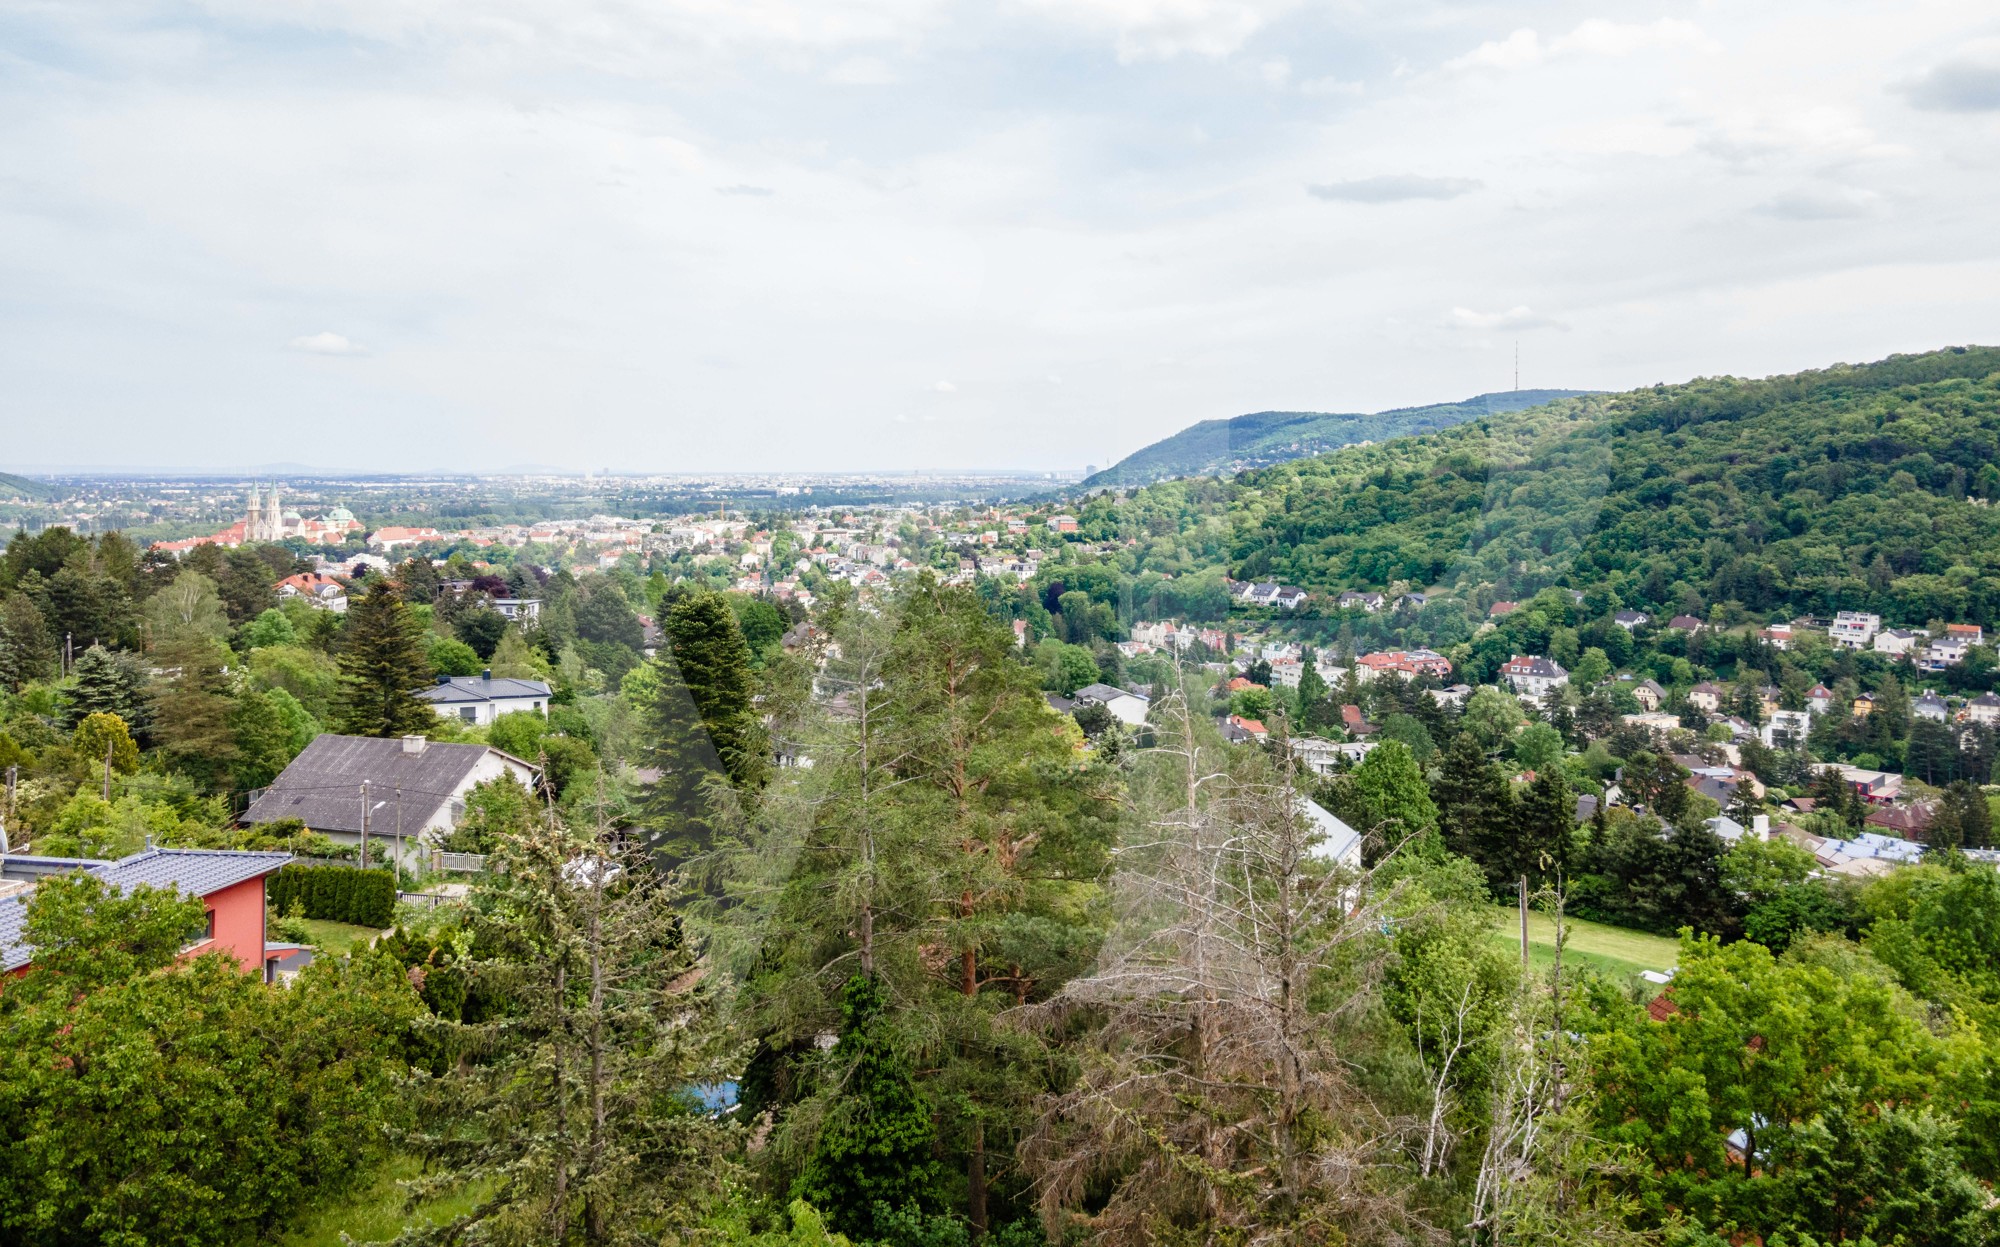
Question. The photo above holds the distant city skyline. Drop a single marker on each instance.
(885, 235)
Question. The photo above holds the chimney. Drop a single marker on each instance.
(443, 679)
(415, 744)
(1761, 824)
(487, 675)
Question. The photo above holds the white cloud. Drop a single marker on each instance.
(1393, 188)
(1144, 30)
(862, 71)
(943, 387)
(1596, 37)
(1515, 318)
(1329, 86)
(1820, 204)
(327, 343)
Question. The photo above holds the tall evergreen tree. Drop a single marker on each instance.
(1545, 828)
(382, 665)
(873, 1154)
(714, 666)
(108, 683)
(26, 652)
(1475, 808)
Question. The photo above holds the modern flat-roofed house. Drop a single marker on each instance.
(1854, 629)
(526, 610)
(414, 786)
(1127, 707)
(482, 699)
(229, 883)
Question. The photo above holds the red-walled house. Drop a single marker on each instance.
(229, 883)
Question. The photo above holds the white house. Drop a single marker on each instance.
(1897, 641)
(1984, 708)
(1127, 707)
(482, 699)
(1854, 629)
(1336, 842)
(1787, 729)
(1534, 676)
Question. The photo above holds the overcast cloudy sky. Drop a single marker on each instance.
(833, 234)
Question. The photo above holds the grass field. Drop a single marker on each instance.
(1615, 951)
(336, 938)
(374, 1213)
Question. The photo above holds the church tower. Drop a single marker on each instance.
(253, 519)
(274, 518)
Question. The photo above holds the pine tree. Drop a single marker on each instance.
(1545, 829)
(107, 683)
(873, 1152)
(1475, 808)
(1316, 710)
(382, 665)
(568, 1118)
(26, 651)
(714, 665)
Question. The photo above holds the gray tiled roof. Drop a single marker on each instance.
(194, 872)
(472, 688)
(322, 786)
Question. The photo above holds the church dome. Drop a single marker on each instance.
(340, 515)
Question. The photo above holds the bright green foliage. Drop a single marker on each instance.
(1385, 797)
(874, 1146)
(103, 739)
(1492, 717)
(272, 627)
(1538, 748)
(140, 1105)
(382, 666)
(494, 810)
(1824, 1067)
(450, 656)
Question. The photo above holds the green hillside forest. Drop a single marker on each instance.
(1850, 488)
(1267, 437)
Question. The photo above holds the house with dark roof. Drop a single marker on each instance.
(230, 884)
(403, 793)
(482, 699)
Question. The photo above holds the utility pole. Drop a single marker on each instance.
(1524, 922)
(107, 772)
(364, 829)
(399, 837)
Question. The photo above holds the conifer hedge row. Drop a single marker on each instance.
(366, 898)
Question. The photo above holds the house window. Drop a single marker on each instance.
(207, 932)
(469, 713)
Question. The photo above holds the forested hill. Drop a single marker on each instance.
(1267, 437)
(12, 486)
(1854, 487)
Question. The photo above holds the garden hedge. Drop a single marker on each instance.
(366, 898)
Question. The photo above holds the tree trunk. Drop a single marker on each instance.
(975, 1180)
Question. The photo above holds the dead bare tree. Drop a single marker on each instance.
(1219, 1094)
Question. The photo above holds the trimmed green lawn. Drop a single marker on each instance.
(1614, 951)
(374, 1213)
(336, 938)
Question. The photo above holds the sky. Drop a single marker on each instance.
(843, 235)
